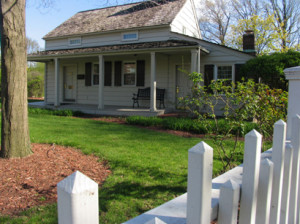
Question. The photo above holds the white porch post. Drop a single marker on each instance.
(45, 83)
(199, 60)
(293, 76)
(56, 82)
(194, 63)
(153, 83)
(101, 83)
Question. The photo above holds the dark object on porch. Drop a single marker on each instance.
(144, 94)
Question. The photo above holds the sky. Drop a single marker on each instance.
(41, 20)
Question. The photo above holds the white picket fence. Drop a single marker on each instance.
(265, 189)
(269, 189)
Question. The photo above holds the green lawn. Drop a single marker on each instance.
(148, 167)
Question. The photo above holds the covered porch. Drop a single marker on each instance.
(118, 111)
(115, 73)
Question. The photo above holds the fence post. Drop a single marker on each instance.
(77, 200)
(294, 197)
(264, 192)
(250, 177)
(199, 184)
(293, 75)
(229, 203)
(286, 187)
(279, 137)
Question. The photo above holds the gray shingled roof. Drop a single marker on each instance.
(142, 14)
(117, 48)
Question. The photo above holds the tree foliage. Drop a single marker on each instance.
(266, 40)
(35, 80)
(32, 45)
(273, 21)
(268, 69)
(287, 18)
(215, 19)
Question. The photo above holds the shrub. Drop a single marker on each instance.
(144, 121)
(63, 113)
(268, 69)
(241, 103)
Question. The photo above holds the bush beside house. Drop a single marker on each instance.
(268, 69)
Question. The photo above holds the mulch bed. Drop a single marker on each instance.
(32, 181)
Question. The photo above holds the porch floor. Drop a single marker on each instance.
(107, 111)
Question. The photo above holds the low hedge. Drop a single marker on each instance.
(192, 125)
(64, 113)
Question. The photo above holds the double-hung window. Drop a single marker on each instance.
(224, 72)
(95, 74)
(129, 73)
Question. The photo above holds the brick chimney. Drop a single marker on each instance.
(249, 42)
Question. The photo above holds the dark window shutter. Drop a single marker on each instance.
(107, 73)
(238, 75)
(140, 68)
(208, 74)
(118, 73)
(88, 74)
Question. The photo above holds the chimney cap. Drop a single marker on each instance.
(249, 32)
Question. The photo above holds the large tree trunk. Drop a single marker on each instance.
(15, 140)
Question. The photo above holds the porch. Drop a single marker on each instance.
(122, 111)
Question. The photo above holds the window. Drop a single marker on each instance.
(95, 74)
(129, 73)
(225, 74)
(75, 41)
(130, 36)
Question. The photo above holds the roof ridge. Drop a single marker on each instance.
(112, 6)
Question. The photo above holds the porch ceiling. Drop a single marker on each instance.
(169, 45)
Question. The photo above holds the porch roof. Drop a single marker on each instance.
(123, 48)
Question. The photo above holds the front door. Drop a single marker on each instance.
(183, 83)
(69, 83)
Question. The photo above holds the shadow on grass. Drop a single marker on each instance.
(141, 183)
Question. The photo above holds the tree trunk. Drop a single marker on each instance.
(15, 140)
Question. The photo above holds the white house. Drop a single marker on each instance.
(101, 57)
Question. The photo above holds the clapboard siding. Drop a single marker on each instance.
(50, 83)
(120, 95)
(186, 19)
(115, 38)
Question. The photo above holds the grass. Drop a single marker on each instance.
(148, 168)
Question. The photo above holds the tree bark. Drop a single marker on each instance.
(15, 141)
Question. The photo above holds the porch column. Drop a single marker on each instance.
(153, 83)
(199, 60)
(56, 82)
(101, 83)
(194, 62)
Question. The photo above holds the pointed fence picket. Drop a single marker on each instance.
(258, 190)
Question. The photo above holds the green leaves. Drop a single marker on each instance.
(237, 103)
